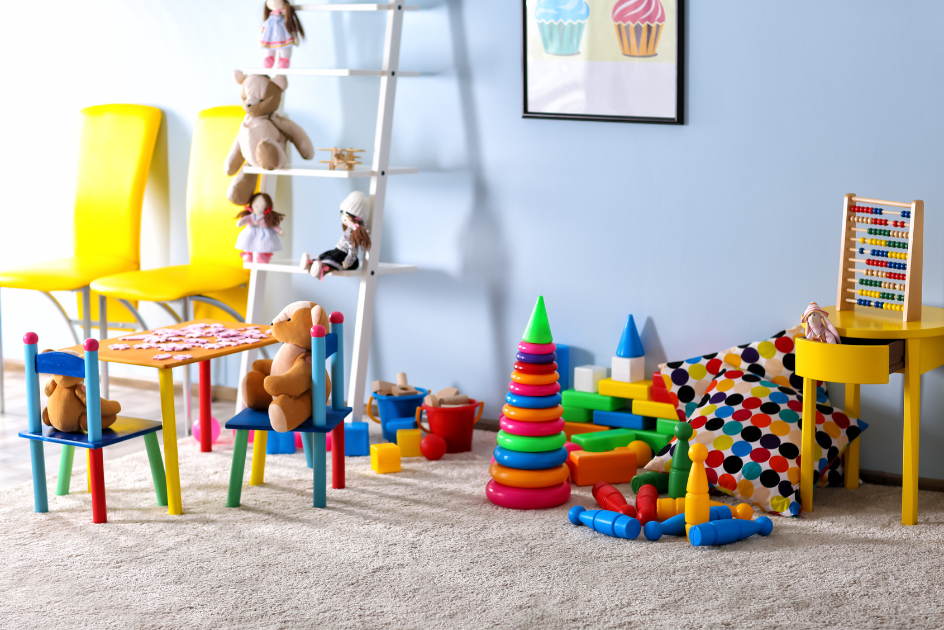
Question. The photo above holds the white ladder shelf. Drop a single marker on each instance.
(378, 173)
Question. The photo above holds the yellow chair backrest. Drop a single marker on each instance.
(842, 363)
(115, 157)
(212, 226)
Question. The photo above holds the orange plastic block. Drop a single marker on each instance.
(574, 428)
(616, 466)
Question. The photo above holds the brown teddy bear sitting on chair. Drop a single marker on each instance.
(283, 384)
(66, 409)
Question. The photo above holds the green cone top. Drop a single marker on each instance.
(539, 329)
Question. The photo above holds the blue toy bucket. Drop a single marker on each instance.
(393, 408)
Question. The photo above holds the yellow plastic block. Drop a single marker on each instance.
(385, 458)
(409, 442)
(652, 409)
(640, 390)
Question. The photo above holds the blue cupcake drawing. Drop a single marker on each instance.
(561, 24)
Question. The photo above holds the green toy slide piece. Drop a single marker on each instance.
(658, 479)
(586, 400)
(665, 426)
(654, 439)
(577, 414)
(539, 329)
(602, 441)
(681, 463)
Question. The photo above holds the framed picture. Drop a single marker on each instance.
(607, 60)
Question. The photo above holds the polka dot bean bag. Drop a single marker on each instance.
(772, 359)
(752, 428)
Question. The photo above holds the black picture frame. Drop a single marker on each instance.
(678, 119)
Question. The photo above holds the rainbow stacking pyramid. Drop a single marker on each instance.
(529, 470)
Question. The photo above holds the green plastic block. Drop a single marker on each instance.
(586, 400)
(666, 427)
(577, 414)
(654, 439)
(658, 479)
(602, 441)
(539, 329)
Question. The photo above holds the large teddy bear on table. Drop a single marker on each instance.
(283, 384)
(66, 409)
(263, 135)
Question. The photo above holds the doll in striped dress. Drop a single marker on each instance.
(259, 239)
(281, 30)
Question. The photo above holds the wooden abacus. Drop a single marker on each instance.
(889, 279)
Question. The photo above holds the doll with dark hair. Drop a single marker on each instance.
(259, 238)
(281, 30)
(355, 210)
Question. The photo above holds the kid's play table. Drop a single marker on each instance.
(923, 352)
(164, 369)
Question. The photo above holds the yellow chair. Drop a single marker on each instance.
(215, 276)
(116, 146)
(834, 363)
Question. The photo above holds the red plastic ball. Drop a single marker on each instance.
(433, 446)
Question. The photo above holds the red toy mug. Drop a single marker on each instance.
(454, 424)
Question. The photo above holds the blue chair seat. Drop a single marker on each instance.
(252, 420)
(123, 429)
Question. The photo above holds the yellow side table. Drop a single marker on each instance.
(924, 351)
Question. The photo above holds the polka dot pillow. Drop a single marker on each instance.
(772, 359)
(751, 427)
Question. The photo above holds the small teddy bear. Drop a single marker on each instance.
(263, 135)
(65, 410)
(283, 384)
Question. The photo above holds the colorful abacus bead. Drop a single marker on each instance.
(906, 214)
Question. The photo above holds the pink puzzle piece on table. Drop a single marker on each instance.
(145, 346)
(132, 338)
(119, 346)
(182, 357)
(161, 357)
(213, 346)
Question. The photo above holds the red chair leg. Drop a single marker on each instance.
(206, 442)
(337, 456)
(97, 470)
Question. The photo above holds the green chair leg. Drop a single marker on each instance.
(239, 467)
(157, 468)
(65, 470)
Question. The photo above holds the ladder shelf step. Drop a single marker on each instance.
(325, 172)
(325, 72)
(286, 267)
(353, 7)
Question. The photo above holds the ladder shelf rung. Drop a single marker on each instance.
(353, 7)
(383, 269)
(325, 172)
(325, 72)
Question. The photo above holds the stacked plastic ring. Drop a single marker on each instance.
(529, 470)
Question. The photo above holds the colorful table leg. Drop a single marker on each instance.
(206, 437)
(37, 456)
(852, 452)
(257, 474)
(912, 433)
(307, 444)
(320, 469)
(806, 444)
(337, 457)
(99, 512)
(65, 470)
(238, 469)
(169, 417)
(157, 468)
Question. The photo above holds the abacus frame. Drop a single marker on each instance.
(849, 266)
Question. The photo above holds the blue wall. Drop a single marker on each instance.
(714, 233)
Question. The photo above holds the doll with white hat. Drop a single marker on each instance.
(818, 326)
(355, 211)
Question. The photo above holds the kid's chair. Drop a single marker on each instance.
(115, 156)
(313, 430)
(834, 363)
(65, 364)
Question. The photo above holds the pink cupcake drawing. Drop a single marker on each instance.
(639, 26)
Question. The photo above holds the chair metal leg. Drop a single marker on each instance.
(99, 512)
(320, 493)
(38, 458)
(188, 392)
(134, 313)
(103, 335)
(86, 313)
(257, 475)
(157, 468)
(65, 470)
(238, 468)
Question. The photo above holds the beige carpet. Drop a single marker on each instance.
(424, 549)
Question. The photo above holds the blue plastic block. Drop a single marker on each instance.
(356, 440)
(280, 443)
(623, 420)
(630, 344)
(563, 365)
(391, 427)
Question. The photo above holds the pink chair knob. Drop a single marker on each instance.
(318, 331)
(91, 345)
(31, 338)
(336, 317)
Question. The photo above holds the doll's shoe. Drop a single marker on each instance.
(305, 262)
(263, 258)
(246, 256)
(268, 62)
(284, 61)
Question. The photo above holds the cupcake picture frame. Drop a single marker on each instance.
(603, 60)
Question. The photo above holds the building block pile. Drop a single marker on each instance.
(529, 471)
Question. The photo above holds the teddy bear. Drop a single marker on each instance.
(65, 410)
(283, 385)
(263, 135)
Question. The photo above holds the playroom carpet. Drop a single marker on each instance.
(424, 549)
